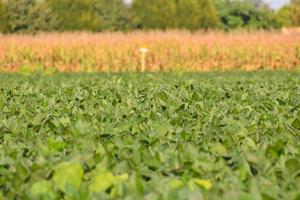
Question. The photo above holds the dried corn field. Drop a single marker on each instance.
(171, 50)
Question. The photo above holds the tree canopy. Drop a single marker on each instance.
(30, 16)
(166, 14)
(3, 17)
(246, 14)
(26, 16)
(289, 15)
(295, 10)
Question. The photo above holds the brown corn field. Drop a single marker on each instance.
(171, 50)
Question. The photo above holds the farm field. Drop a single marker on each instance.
(167, 51)
(230, 135)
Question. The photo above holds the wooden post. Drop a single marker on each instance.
(143, 61)
(143, 51)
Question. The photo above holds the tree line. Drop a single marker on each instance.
(31, 16)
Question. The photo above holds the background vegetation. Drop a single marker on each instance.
(31, 16)
(246, 14)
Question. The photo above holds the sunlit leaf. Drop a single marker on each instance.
(68, 174)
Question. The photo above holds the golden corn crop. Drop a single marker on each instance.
(170, 50)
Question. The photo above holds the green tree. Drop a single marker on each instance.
(74, 14)
(252, 14)
(289, 15)
(3, 17)
(182, 14)
(92, 15)
(155, 14)
(208, 17)
(295, 10)
(28, 16)
(114, 15)
(284, 16)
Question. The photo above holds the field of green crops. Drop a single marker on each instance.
(232, 136)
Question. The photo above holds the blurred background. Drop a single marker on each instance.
(32, 16)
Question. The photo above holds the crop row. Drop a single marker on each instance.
(167, 51)
(231, 136)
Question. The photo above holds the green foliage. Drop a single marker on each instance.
(68, 176)
(114, 15)
(284, 16)
(182, 14)
(74, 14)
(3, 17)
(289, 15)
(92, 15)
(150, 136)
(184, 17)
(208, 15)
(42, 190)
(155, 14)
(295, 10)
(28, 16)
(246, 14)
(102, 180)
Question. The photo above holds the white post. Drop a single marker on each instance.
(143, 51)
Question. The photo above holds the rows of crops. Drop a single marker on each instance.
(167, 51)
(150, 136)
